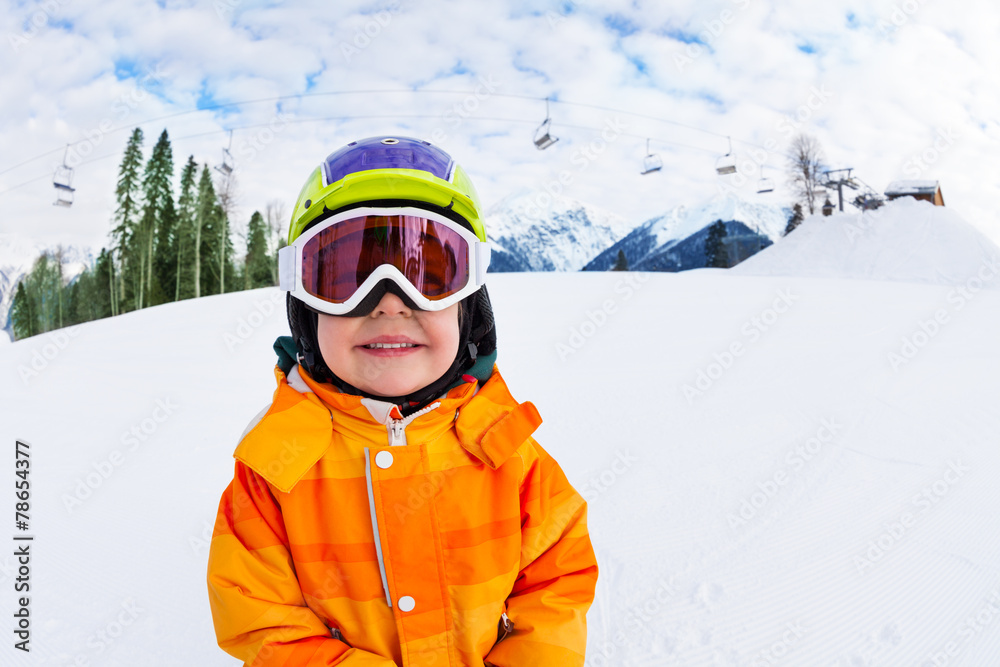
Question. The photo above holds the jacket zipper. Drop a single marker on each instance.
(397, 438)
(397, 427)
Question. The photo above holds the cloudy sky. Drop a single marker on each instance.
(893, 88)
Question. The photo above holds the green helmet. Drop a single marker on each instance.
(384, 169)
(390, 172)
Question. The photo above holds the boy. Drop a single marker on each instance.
(390, 506)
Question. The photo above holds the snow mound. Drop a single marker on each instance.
(906, 240)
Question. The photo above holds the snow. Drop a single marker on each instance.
(681, 222)
(546, 232)
(781, 469)
(906, 240)
(911, 187)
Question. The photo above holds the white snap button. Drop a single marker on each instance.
(406, 603)
(383, 459)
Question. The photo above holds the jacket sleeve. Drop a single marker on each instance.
(558, 572)
(257, 605)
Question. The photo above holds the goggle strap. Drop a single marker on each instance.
(482, 261)
(286, 268)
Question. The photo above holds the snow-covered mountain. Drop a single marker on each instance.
(535, 231)
(675, 241)
(18, 255)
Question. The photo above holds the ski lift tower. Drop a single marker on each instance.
(838, 178)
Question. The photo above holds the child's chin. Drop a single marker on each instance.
(392, 387)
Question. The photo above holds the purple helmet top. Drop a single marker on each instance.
(387, 153)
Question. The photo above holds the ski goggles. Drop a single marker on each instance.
(334, 265)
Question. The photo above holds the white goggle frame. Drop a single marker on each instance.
(290, 265)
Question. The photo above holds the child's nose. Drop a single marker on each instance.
(390, 304)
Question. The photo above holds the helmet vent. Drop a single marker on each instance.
(389, 141)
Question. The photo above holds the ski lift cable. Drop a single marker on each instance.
(279, 98)
(48, 174)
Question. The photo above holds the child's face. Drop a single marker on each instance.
(345, 343)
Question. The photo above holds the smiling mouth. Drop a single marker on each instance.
(387, 346)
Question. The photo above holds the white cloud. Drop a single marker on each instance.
(893, 89)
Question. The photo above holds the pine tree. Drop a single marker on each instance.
(715, 249)
(795, 220)
(257, 270)
(124, 235)
(205, 207)
(187, 209)
(157, 191)
(23, 318)
(621, 264)
(165, 255)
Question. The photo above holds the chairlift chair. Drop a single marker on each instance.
(226, 168)
(543, 138)
(765, 184)
(62, 181)
(727, 163)
(652, 162)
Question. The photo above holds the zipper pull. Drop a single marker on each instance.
(397, 432)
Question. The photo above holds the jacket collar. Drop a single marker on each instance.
(295, 432)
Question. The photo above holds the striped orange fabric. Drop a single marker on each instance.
(333, 547)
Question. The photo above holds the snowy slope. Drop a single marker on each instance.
(535, 231)
(780, 469)
(647, 246)
(905, 240)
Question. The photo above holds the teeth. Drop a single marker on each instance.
(384, 346)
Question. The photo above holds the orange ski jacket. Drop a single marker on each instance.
(352, 536)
